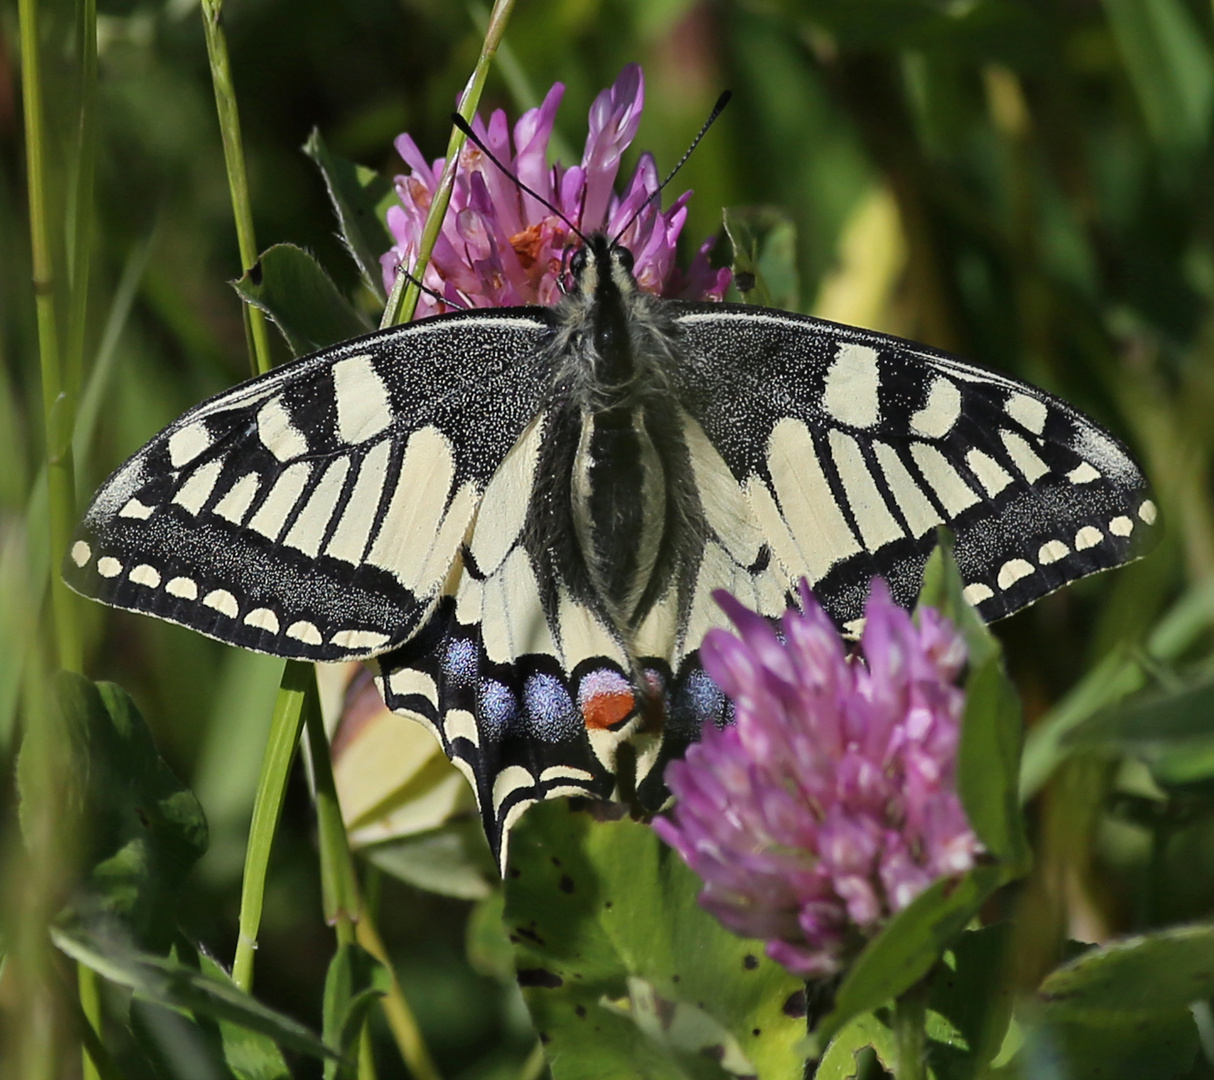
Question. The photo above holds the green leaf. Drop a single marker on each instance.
(971, 1003)
(488, 947)
(290, 286)
(988, 759)
(1123, 1010)
(453, 860)
(764, 255)
(187, 1046)
(1154, 974)
(137, 828)
(942, 590)
(609, 940)
(176, 1045)
(866, 1031)
(908, 946)
(1170, 67)
(1120, 673)
(1169, 730)
(354, 981)
(988, 765)
(1163, 1049)
(178, 986)
(356, 193)
(250, 1054)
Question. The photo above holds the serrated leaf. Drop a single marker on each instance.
(592, 905)
(291, 287)
(178, 986)
(355, 193)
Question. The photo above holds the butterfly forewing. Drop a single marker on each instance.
(316, 512)
(852, 447)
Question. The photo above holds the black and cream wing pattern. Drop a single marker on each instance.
(316, 511)
(851, 447)
(527, 541)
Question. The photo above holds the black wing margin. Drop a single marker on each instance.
(315, 512)
(852, 446)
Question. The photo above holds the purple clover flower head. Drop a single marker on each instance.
(500, 246)
(831, 802)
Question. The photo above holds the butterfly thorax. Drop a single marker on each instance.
(629, 463)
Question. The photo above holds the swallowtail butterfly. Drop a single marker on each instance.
(522, 513)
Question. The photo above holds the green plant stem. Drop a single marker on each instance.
(267, 808)
(401, 1021)
(238, 179)
(80, 211)
(471, 97)
(910, 1033)
(97, 1061)
(90, 1017)
(338, 879)
(366, 1055)
(56, 405)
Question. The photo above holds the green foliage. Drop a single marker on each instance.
(290, 286)
(199, 992)
(624, 973)
(354, 982)
(139, 829)
(764, 255)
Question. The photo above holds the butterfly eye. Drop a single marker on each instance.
(578, 263)
(624, 257)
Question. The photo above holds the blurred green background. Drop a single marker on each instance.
(1026, 183)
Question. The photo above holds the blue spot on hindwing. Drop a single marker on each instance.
(548, 709)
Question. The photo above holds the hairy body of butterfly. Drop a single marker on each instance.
(523, 512)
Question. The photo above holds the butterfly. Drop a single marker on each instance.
(522, 513)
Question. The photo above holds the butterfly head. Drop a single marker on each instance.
(602, 268)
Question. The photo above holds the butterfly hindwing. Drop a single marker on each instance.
(851, 447)
(316, 511)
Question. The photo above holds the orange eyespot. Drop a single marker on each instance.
(607, 710)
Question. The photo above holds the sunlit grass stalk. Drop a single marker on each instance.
(80, 211)
(79, 261)
(238, 179)
(470, 99)
(297, 676)
(56, 405)
(267, 809)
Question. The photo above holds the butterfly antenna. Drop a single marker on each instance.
(717, 109)
(400, 269)
(473, 138)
